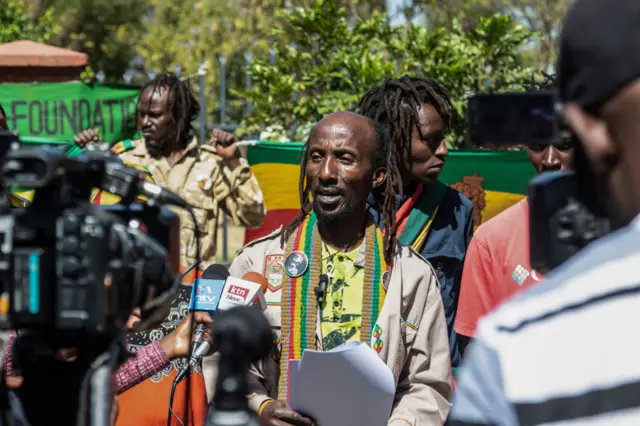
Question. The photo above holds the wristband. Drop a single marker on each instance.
(263, 405)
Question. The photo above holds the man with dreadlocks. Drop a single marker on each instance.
(497, 263)
(378, 292)
(437, 221)
(211, 177)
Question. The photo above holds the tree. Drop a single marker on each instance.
(543, 17)
(324, 64)
(186, 33)
(16, 24)
(107, 30)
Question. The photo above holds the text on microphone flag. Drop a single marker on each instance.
(207, 296)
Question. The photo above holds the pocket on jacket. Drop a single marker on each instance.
(409, 332)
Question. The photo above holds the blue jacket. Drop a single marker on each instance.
(445, 249)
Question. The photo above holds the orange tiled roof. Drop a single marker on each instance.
(25, 53)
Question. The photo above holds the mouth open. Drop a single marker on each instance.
(328, 198)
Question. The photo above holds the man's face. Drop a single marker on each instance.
(155, 120)
(428, 148)
(340, 166)
(550, 157)
(611, 141)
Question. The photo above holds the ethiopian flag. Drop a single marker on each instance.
(492, 180)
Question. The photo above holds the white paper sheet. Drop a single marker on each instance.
(347, 386)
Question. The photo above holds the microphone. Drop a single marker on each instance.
(321, 289)
(209, 290)
(248, 290)
(244, 291)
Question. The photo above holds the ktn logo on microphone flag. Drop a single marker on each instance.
(208, 295)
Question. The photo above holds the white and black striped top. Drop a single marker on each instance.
(566, 352)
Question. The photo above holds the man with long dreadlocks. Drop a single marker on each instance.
(437, 221)
(497, 263)
(211, 177)
(378, 292)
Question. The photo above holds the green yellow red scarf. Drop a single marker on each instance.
(299, 307)
(415, 216)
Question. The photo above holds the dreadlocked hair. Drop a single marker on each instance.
(549, 83)
(395, 104)
(384, 196)
(182, 103)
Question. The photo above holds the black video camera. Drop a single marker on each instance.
(73, 272)
(565, 213)
(72, 269)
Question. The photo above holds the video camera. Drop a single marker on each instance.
(73, 272)
(565, 212)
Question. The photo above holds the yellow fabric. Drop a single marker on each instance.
(342, 313)
(422, 236)
(109, 199)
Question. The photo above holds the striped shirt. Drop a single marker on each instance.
(564, 352)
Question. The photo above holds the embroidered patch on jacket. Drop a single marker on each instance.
(276, 347)
(377, 333)
(273, 270)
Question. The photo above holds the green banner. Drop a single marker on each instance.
(54, 113)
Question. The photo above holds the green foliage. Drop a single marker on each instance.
(324, 64)
(188, 32)
(107, 30)
(16, 24)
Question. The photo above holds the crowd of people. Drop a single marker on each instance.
(408, 274)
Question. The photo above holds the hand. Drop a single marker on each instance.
(177, 343)
(225, 144)
(277, 413)
(86, 137)
(134, 320)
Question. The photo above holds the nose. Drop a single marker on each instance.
(328, 169)
(551, 158)
(145, 121)
(442, 150)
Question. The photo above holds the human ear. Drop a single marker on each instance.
(379, 176)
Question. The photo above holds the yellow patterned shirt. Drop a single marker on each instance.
(342, 312)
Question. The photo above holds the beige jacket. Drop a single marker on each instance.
(416, 345)
(203, 179)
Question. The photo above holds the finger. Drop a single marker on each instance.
(289, 415)
(203, 318)
(14, 382)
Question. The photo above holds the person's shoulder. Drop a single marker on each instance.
(265, 243)
(457, 199)
(514, 215)
(129, 147)
(612, 260)
(410, 260)
(208, 152)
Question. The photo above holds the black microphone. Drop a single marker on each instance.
(321, 289)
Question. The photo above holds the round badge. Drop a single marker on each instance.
(296, 264)
(385, 280)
